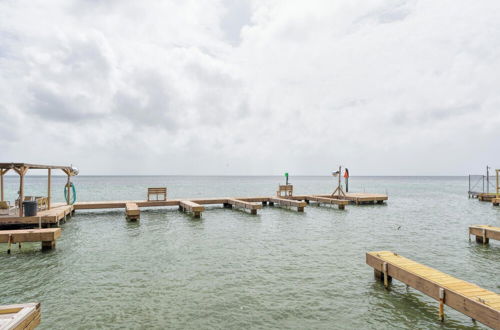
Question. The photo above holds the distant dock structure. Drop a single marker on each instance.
(483, 233)
(44, 213)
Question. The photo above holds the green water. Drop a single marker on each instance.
(231, 270)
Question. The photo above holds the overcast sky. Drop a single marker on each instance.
(251, 87)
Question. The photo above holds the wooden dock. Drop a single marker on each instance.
(47, 236)
(59, 212)
(252, 206)
(341, 203)
(189, 206)
(495, 201)
(480, 304)
(132, 211)
(486, 197)
(287, 203)
(19, 317)
(483, 233)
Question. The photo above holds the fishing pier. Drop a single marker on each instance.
(478, 303)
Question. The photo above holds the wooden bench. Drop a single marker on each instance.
(284, 190)
(157, 192)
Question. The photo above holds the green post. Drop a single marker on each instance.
(286, 176)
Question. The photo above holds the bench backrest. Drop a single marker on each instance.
(157, 192)
(286, 188)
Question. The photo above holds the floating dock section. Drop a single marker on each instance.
(479, 304)
(47, 236)
(483, 233)
(19, 317)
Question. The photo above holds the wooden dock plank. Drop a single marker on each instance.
(190, 206)
(132, 211)
(57, 213)
(252, 206)
(483, 233)
(328, 200)
(475, 304)
(21, 316)
(288, 202)
(30, 235)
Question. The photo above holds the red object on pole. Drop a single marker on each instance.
(346, 173)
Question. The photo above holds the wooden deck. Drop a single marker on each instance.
(486, 197)
(341, 203)
(252, 206)
(288, 203)
(18, 317)
(132, 211)
(47, 236)
(189, 206)
(475, 302)
(483, 233)
(58, 212)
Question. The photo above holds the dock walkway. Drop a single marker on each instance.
(470, 299)
(57, 213)
(483, 233)
(47, 236)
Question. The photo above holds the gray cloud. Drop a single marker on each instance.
(259, 85)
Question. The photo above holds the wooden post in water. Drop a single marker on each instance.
(441, 304)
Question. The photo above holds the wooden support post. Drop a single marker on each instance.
(441, 304)
(48, 245)
(10, 243)
(2, 172)
(341, 207)
(300, 209)
(386, 276)
(68, 184)
(49, 188)
(197, 214)
(271, 203)
(227, 206)
(21, 171)
(264, 203)
(254, 211)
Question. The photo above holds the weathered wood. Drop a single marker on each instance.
(361, 198)
(22, 316)
(29, 235)
(470, 299)
(324, 200)
(289, 202)
(252, 206)
(157, 192)
(45, 217)
(284, 190)
(483, 233)
(495, 201)
(189, 206)
(132, 211)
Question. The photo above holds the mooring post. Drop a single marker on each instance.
(386, 276)
(10, 243)
(441, 304)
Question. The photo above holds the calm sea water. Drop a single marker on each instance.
(229, 269)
